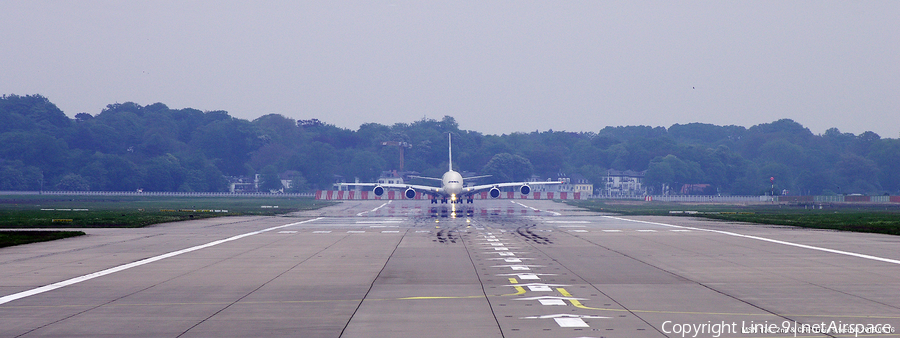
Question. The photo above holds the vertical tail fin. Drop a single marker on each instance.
(450, 149)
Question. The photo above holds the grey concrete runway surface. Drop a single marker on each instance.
(497, 268)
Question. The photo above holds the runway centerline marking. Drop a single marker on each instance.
(76, 280)
(567, 320)
(847, 253)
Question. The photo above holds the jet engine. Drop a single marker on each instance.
(410, 193)
(525, 189)
(378, 191)
(494, 193)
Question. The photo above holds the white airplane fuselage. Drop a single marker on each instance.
(452, 183)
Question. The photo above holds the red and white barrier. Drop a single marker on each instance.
(399, 195)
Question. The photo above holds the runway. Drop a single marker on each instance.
(498, 268)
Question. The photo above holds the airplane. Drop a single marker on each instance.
(452, 188)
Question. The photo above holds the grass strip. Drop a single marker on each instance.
(137, 211)
(10, 238)
(882, 223)
(870, 218)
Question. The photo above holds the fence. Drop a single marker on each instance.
(709, 198)
(156, 193)
(782, 199)
(396, 195)
(393, 195)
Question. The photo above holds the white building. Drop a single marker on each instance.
(571, 183)
(624, 183)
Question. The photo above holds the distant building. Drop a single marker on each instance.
(287, 179)
(571, 183)
(695, 189)
(624, 183)
(338, 179)
(391, 177)
(387, 177)
(243, 184)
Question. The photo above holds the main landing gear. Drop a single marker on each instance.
(444, 200)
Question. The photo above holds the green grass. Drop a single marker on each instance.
(10, 238)
(873, 218)
(874, 222)
(25, 211)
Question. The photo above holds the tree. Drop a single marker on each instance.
(111, 173)
(96, 175)
(128, 146)
(82, 117)
(673, 172)
(164, 173)
(270, 154)
(277, 128)
(73, 182)
(506, 167)
(298, 184)
(365, 165)
(319, 163)
(11, 178)
(784, 152)
(35, 109)
(156, 145)
(886, 155)
(865, 142)
(269, 180)
(594, 174)
(705, 133)
(549, 160)
(857, 174)
(213, 179)
(229, 142)
(36, 149)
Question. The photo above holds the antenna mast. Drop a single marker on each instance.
(400, 145)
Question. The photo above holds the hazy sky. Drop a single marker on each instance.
(496, 66)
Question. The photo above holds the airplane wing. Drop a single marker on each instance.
(418, 188)
(426, 178)
(439, 179)
(479, 188)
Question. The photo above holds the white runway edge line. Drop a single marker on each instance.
(874, 258)
(536, 209)
(376, 209)
(54, 286)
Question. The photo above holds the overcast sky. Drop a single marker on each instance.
(497, 67)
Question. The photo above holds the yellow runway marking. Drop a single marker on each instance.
(520, 290)
(578, 304)
(574, 302)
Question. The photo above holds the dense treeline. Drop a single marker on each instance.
(128, 146)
